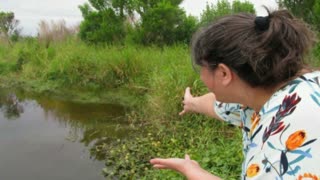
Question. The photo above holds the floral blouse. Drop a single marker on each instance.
(282, 140)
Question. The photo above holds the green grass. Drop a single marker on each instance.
(149, 80)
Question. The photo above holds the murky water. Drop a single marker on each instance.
(46, 138)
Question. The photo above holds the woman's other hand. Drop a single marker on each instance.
(186, 166)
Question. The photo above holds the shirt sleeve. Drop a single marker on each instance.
(229, 112)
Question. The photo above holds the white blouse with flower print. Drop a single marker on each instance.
(282, 140)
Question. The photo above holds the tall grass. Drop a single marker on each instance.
(53, 31)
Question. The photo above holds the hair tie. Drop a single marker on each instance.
(262, 23)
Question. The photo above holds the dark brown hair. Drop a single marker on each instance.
(263, 56)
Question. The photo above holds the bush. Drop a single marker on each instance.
(102, 27)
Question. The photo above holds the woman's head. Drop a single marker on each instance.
(262, 51)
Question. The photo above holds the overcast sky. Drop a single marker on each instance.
(30, 12)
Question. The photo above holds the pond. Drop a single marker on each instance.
(42, 137)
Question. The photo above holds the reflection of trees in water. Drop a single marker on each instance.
(10, 106)
(94, 125)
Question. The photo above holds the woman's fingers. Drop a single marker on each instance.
(187, 157)
(159, 166)
(177, 164)
(195, 162)
(170, 163)
(185, 101)
(187, 93)
(158, 161)
(182, 112)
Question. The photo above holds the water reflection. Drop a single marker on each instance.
(10, 106)
(42, 119)
(90, 124)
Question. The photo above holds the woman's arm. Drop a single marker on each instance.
(201, 104)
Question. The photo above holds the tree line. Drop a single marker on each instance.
(160, 22)
(155, 22)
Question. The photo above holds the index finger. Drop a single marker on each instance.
(182, 112)
(187, 93)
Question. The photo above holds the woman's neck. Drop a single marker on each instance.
(255, 98)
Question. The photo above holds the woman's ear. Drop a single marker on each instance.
(225, 74)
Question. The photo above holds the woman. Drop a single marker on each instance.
(255, 65)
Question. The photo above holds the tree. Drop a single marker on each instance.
(102, 27)
(186, 29)
(316, 12)
(212, 11)
(120, 7)
(246, 6)
(9, 25)
(159, 23)
(123, 7)
(308, 10)
(142, 6)
(165, 23)
(300, 8)
(103, 21)
(223, 7)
